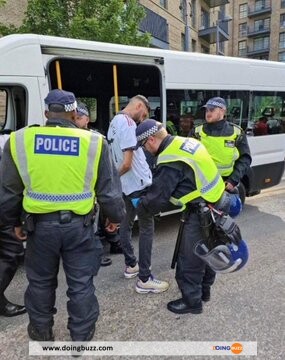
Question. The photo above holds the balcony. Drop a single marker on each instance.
(215, 3)
(260, 30)
(258, 50)
(261, 9)
(157, 26)
(214, 32)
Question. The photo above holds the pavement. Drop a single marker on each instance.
(246, 306)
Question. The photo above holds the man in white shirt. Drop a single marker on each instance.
(135, 177)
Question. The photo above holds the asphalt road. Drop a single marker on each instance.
(246, 306)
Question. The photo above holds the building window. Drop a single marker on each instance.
(259, 4)
(282, 57)
(183, 42)
(282, 4)
(193, 13)
(261, 43)
(242, 48)
(242, 29)
(282, 41)
(282, 21)
(243, 11)
(194, 45)
(163, 3)
(261, 24)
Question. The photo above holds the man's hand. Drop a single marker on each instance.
(111, 227)
(229, 187)
(20, 235)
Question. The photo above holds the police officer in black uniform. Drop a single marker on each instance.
(55, 172)
(11, 255)
(227, 144)
(175, 178)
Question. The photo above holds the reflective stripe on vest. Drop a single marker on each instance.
(209, 183)
(222, 149)
(44, 155)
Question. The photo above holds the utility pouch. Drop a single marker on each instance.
(29, 223)
(226, 229)
(206, 221)
(65, 216)
(89, 219)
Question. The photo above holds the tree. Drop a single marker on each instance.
(113, 21)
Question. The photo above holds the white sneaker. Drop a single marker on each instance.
(131, 272)
(151, 285)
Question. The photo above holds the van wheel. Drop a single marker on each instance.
(242, 192)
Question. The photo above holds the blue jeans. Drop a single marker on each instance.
(81, 257)
(146, 233)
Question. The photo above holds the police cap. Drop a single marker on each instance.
(82, 109)
(59, 100)
(216, 102)
(146, 129)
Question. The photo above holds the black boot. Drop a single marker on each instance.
(179, 306)
(9, 309)
(40, 334)
(206, 293)
(106, 261)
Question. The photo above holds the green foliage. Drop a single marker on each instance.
(114, 21)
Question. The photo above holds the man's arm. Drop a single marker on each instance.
(242, 164)
(108, 188)
(164, 184)
(11, 190)
(127, 162)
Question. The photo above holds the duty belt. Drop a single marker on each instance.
(63, 216)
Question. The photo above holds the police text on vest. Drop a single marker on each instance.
(57, 145)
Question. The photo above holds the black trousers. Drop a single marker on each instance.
(81, 253)
(11, 254)
(192, 274)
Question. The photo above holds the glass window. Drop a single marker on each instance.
(183, 42)
(244, 108)
(282, 4)
(242, 48)
(243, 11)
(261, 43)
(262, 24)
(282, 41)
(282, 57)
(164, 3)
(193, 13)
(242, 29)
(3, 108)
(282, 21)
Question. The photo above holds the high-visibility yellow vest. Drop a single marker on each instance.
(222, 149)
(58, 167)
(209, 184)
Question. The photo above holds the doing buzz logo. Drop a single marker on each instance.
(235, 348)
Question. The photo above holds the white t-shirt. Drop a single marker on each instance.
(3, 139)
(122, 136)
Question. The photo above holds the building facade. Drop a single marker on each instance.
(258, 29)
(252, 28)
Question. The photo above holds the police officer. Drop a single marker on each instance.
(185, 175)
(225, 142)
(11, 254)
(56, 172)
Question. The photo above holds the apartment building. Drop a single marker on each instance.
(196, 25)
(253, 28)
(258, 29)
